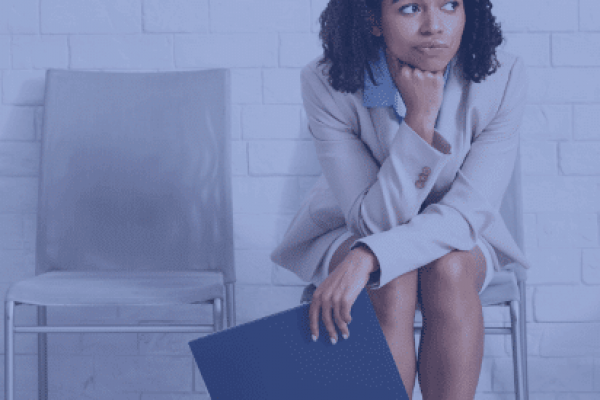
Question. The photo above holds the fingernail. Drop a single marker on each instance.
(345, 336)
(314, 338)
(333, 340)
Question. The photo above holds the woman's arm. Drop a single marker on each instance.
(471, 205)
(372, 198)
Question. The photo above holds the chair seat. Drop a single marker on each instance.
(502, 288)
(118, 288)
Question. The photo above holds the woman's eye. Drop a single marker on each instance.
(408, 7)
(454, 4)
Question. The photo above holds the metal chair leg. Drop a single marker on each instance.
(523, 310)
(230, 304)
(218, 314)
(9, 350)
(517, 349)
(42, 355)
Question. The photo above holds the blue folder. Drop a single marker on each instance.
(274, 358)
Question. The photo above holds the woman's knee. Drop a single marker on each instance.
(456, 271)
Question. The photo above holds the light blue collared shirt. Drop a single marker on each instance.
(385, 93)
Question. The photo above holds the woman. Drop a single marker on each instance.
(415, 117)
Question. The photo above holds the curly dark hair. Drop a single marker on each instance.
(349, 45)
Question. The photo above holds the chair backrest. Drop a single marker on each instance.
(511, 208)
(135, 172)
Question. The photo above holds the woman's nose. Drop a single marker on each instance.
(431, 22)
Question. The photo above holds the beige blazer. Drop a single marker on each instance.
(372, 164)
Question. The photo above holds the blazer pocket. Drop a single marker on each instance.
(325, 211)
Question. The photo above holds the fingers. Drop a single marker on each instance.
(313, 316)
(338, 307)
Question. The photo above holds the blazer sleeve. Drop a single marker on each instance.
(373, 198)
(471, 205)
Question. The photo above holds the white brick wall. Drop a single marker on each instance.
(265, 43)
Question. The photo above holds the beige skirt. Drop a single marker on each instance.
(491, 262)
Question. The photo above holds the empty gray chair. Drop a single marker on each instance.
(507, 287)
(134, 201)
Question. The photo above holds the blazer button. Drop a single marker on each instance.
(423, 177)
(420, 184)
(427, 170)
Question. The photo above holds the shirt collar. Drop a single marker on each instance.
(385, 94)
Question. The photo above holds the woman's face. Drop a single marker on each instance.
(409, 27)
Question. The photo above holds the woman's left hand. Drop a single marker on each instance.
(339, 291)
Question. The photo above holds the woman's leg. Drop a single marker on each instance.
(451, 345)
(394, 306)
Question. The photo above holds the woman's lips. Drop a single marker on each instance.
(431, 51)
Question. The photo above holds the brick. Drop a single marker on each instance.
(180, 16)
(259, 195)
(570, 340)
(29, 231)
(567, 230)
(271, 122)
(576, 396)
(591, 266)
(147, 373)
(121, 51)
(201, 314)
(166, 343)
(562, 303)
(547, 374)
(282, 86)
(537, 15)
(253, 267)
(239, 153)
(23, 87)
(549, 266)
(258, 301)
(533, 48)
(259, 16)
(534, 335)
(18, 194)
(283, 158)
(38, 122)
(93, 16)
(587, 121)
(11, 231)
(19, 17)
(589, 15)
(246, 86)
(576, 49)
(530, 229)
(19, 159)
(236, 122)
(563, 85)
(226, 50)
(579, 158)
(40, 51)
(539, 158)
(546, 122)
(561, 194)
(17, 265)
(5, 52)
(298, 49)
(17, 123)
(259, 231)
(316, 8)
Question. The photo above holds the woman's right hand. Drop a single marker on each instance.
(422, 93)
